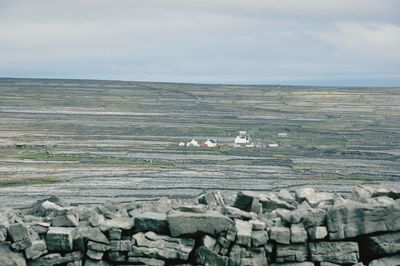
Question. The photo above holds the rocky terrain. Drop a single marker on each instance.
(303, 228)
(90, 141)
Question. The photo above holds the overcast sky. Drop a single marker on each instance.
(315, 42)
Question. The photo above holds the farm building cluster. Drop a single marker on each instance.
(243, 139)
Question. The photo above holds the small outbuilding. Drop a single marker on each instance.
(192, 143)
(210, 143)
(181, 144)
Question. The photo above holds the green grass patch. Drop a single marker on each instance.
(11, 182)
(280, 156)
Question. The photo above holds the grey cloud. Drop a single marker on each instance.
(232, 41)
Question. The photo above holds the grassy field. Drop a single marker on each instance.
(91, 141)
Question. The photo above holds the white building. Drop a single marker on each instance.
(282, 134)
(242, 138)
(273, 145)
(192, 143)
(181, 144)
(210, 143)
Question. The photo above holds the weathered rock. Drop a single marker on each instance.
(18, 232)
(372, 247)
(146, 261)
(57, 259)
(212, 199)
(91, 234)
(258, 225)
(67, 220)
(387, 261)
(244, 201)
(3, 232)
(115, 234)
(361, 193)
(98, 246)
(46, 206)
(317, 232)
(200, 208)
(350, 219)
(161, 247)
(96, 219)
(285, 195)
(235, 213)
(306, 215)
(305, 263)
(75, 263)
(208, 241)
(95, 255)
(280, 234)
(37, 249)
(21, 245)
(40, 227)
(231, 233)
(151, 221)
(312, 197)
(335, 252)
(116, 256)
(10, 258)
(259, 238)
(60, 239)
(243, 232)
(210, 222)
(121, 245)
(325, 263)
(291, 253)
(298, 233)
(123, 223)
(223, 242)
(256, 256)
(205, 256)
(90, 262)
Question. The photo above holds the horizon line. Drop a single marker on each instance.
(206, 83)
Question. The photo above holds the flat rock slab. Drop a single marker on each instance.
(151, 221)
(123, 223)
(393, 260)
(292, 253)
(335, 252)
(57, 259)
(350, 218)
(188, 223)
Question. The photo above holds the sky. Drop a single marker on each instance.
(293, 42)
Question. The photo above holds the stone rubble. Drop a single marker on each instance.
(289, 228)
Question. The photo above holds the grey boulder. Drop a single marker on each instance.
(209, 222)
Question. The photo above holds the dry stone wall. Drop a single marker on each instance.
(298, 228)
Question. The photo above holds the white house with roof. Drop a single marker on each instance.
(242, 139)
